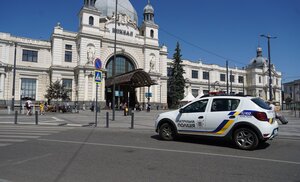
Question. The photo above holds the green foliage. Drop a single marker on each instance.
(57, 91)
(176, 82)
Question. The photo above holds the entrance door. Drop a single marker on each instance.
(123, 94)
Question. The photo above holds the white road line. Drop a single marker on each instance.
(3, 145)
(17, 136)
(31, 159)
(175, 151)
(29, 131)
(23, 133)
(11, 140)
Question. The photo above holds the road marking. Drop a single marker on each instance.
(31, 159)
(23, 133)
(175, 151)
(11, 140)
(17, 136)
(3, 145)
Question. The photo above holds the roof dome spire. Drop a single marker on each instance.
(89, 3)
(149, 13)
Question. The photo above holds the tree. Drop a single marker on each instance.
(176, 81)
(57, 91)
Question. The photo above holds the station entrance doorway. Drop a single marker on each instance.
(126, 81)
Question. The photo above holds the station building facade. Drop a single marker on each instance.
(141, 66)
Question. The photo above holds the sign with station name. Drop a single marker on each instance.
(123, 32)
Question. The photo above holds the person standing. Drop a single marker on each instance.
(28, 106)
(42, 108)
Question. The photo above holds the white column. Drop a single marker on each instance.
(86, 85)
(1, 86)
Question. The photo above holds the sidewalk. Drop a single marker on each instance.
(142, 120)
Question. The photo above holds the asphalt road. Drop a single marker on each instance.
(52, 153)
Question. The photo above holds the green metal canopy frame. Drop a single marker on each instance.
(135, 78)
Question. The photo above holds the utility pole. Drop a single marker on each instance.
(230, 82)
(14, 80)
(114, 63)
(269, 60)
(227, 84)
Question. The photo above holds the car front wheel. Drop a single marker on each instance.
(245, 139)
(167, 132)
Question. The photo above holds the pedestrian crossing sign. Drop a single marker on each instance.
(98, 76)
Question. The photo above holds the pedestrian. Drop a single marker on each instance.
(42, 108)
(28, 105)
(278, 115)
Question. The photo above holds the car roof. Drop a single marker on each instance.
(227, 96)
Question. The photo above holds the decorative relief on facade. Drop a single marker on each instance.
(90, 54)
(152, 63)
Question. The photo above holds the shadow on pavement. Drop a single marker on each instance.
(210, 141)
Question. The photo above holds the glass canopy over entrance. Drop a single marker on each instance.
(126, 81)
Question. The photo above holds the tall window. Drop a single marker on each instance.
(194, 74)
(28, 86)
(68, 53)
(152, 33)
(205, 75)
(241, 79)
(30, 56)
(259, 79)
(231, 78)
(123, 65)
(67, 83)
(91, 20)
(222, 77)
(169, 71)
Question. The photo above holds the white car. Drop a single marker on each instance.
(245, 120)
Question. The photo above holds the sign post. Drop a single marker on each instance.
(98, 80)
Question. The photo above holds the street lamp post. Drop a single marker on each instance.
(114, 63)
(269, 58)
(14, 80)
(209, 79)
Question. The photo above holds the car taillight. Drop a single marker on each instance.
(262, 116)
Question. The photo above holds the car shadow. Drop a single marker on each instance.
(210, 141)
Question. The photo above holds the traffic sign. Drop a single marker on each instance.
(98, 64)
(98, 76)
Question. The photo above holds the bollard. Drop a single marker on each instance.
(132, 121)
(107, 119)
(16, 117)
(36, 117)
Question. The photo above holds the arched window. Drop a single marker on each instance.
(91, 20)
(152, 33)
(123, 65)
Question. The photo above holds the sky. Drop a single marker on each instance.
(209, 30)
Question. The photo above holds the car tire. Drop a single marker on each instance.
(245, 138)
(167, 132)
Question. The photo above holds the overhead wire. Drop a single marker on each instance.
(190, 43)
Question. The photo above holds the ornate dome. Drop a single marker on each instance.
(107, 8)
(259, 61)
(149, 8)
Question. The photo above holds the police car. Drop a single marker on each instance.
(245, 120)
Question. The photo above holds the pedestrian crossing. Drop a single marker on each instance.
(12, 134)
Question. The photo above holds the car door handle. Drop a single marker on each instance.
(231, 117)
(200, 117)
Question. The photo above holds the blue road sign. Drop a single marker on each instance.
(98, 76)
(98, 64)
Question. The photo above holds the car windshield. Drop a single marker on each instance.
(261, 103)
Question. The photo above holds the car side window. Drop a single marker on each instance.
(224, 105)
(198, 106)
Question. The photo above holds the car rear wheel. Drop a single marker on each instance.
(245, 139)
(167, 132)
